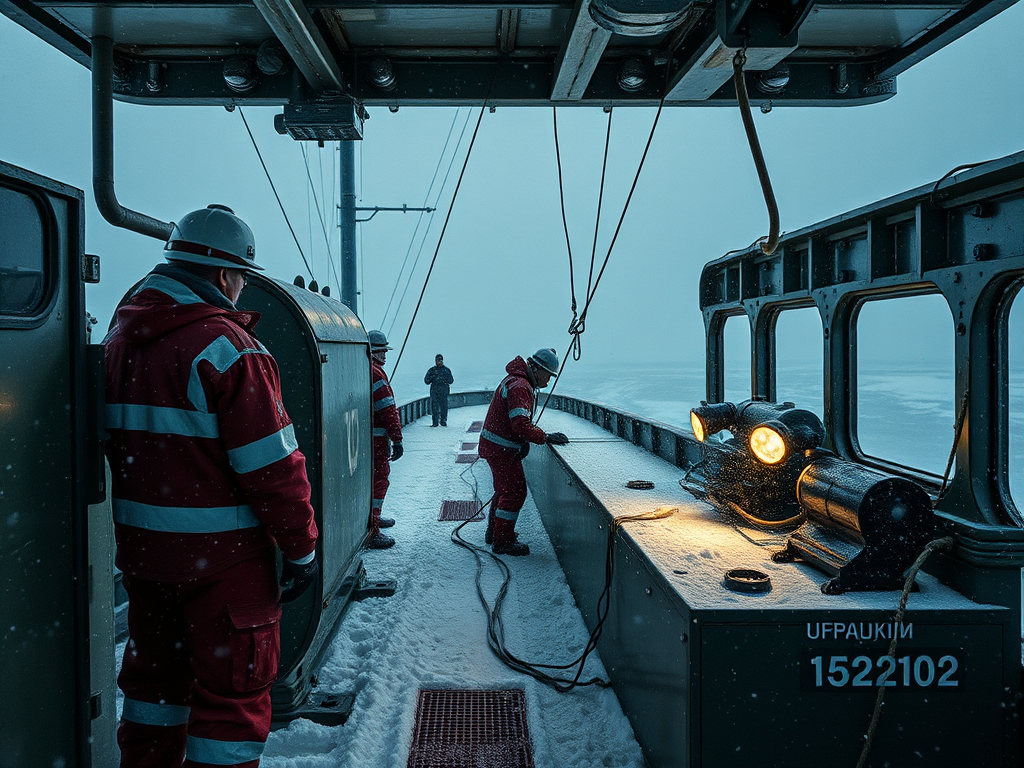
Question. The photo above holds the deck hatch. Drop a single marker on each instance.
(476, 426)
(459, 510)
(469, 728)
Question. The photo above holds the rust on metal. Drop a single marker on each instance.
(460, 510)
(470, 728)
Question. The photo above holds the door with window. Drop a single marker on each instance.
(45, 458)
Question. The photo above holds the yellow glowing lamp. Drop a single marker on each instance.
(767, 445)
(697, 426)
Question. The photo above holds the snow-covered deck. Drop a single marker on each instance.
(431, 633)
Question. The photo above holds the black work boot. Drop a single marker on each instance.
(513, 548)
(489, 536)
(380, 541)
(385, 522)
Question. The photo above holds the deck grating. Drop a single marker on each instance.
(460, 510)
(466, 458)
(469, 729)
(476, 426)
(469, 446)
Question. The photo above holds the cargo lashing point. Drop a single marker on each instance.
(321, 707)
(747, 580)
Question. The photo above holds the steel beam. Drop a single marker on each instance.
(580, 55)
(294, 27)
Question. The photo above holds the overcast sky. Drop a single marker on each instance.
(501, 284)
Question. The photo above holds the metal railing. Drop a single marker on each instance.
(670, 443)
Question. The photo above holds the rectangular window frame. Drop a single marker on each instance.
(51, 260)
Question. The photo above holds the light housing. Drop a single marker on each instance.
(767, 442)
(712, 419)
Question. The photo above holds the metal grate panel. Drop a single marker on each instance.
(466, 458)
(460, 510)
(469, 446)
(476, 426)
(467, 729)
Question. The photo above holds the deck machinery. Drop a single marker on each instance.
(323, 62)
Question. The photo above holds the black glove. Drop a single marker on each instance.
(523, 452)
(396, 451)
(556, 438)
(296, 578)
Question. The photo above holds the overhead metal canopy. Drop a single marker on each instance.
(523, 53)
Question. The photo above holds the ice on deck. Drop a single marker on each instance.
(431, 633)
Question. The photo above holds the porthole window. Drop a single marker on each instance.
(23, 254)
(736, 336)
(799, 359)
(1016, 386)
(905, 387)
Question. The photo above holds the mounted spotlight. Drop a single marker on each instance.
(271, 58)
(754, 471)
(632, 75)
(239, 74)
(382, 73)
(639, 18)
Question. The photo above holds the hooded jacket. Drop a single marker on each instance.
(205, 467)
(509, 422)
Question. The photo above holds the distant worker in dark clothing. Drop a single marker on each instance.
(206, 479)
(387, 439)
(440, 379)
(505, 441)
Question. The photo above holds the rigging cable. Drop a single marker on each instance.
(944, 545)
(611, 246)
(577, 326)
(444, 229)
(279, 203)
(319, 213)
(430, 223)
(419, 220)
(738, 61)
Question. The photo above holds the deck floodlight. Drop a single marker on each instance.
(632, 76)
(382, 73)
(754, 471)
(708, 420)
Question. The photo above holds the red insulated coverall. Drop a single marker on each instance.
(508, 428)
(387, 425)
(206, 477)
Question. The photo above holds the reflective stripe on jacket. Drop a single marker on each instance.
(508, 425)
(385, 412)
(204, 460)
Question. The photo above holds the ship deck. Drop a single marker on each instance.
(432, 632)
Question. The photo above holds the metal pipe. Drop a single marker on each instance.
(347, 223)
(103, 148)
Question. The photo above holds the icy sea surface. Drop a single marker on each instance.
(906, 416)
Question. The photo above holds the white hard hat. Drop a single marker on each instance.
(546, 359)
(215, 237)
(378, 340)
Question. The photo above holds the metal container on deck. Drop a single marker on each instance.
(323, 355)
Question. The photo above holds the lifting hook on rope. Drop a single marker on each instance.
(769, 244)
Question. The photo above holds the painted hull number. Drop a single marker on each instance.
(912, 670)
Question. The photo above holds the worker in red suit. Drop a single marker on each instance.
(207, 478)
(387, 439)
(505, 440)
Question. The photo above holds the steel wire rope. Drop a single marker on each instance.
(611, 247)
(576, 325)
(274, 188)
(319, 213)
(447, 218)
(419, 219)
(430, 223)
(738, 61)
